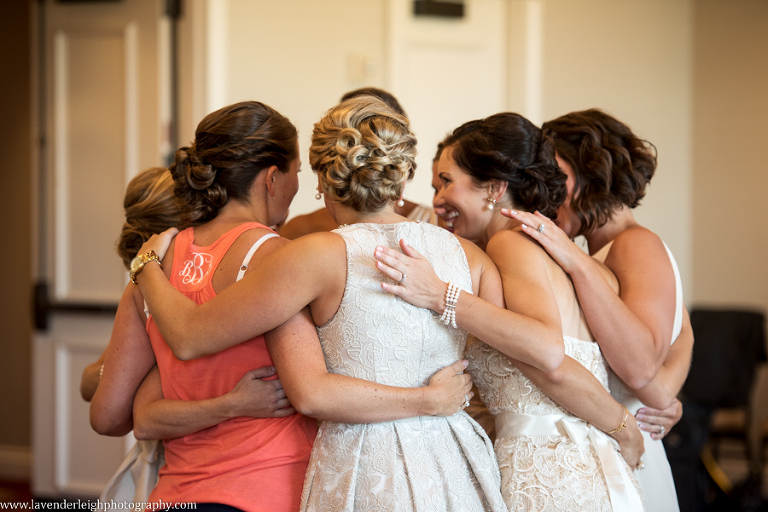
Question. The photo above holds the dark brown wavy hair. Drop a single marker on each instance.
(232, 146)
(150, 208)
(612, 166)
(508, 147)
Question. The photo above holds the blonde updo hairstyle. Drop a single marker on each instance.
(150, 208)
(232, 146)
(363, 153)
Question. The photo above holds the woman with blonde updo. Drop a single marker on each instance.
(394, 437)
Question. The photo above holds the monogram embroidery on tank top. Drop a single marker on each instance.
(197, 268)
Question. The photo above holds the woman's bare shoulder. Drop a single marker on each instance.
(476, 257)
(636, 244)
(510, 248)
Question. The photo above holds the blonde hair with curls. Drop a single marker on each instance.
(150, 207)
(363, 152)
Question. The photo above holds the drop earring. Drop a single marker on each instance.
(400, 202)
(491, 203)
(318, 196)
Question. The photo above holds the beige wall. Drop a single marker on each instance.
(730, 120)
(291, 56)
(633, 60)
(15, 224)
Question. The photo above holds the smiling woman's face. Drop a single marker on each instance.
(461, 199)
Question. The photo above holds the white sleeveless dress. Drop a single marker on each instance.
(656, 479)
(418, 464)
(549, 459)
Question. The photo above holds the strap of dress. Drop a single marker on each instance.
(677, 326)
(602, 254)
(621, 489)
(251, 252)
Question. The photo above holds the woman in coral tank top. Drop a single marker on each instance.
(238, 177)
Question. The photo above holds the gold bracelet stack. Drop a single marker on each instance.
(623, 423)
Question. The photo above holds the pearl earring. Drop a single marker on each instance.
(491, 203)
(400, 202)
(318, 196)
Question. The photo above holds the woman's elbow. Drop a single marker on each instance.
(141, 432)
(183, 353)
(556, 359)
(104, 424)
(552, 357)
(307, 403)
(639, 377)
(660, 401)
(183, 349)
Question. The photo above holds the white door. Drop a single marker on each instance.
(102, 113)
(446, 71)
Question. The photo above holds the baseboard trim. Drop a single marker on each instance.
(15, 463)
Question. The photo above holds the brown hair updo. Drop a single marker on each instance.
(150, 208)
(232, 146)
(363, 152)
(611, 165)
(509, 148)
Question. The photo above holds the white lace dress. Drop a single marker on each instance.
(417, 464)
(549, 459)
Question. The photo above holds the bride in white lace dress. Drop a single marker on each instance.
(609, 168)
(550, 459)
(394, 435)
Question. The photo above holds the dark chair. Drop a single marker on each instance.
(719, 395)
(729, 349)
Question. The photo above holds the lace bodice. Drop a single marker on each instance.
(422, 464)
(375, 335)
(504, 388)
(550, 460)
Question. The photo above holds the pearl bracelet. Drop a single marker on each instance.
(451, 298)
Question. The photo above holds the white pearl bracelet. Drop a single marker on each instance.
(451, 298)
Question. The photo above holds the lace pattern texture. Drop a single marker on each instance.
(417, 464)
(547, 472)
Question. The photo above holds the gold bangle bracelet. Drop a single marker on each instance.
(623, 424)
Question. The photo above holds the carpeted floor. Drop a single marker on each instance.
(13, 492)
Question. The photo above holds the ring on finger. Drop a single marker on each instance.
(402, 279)
(641, 465)
(540, 229)
(661, 431)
